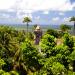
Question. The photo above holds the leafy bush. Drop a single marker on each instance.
(30, 36)
(14, 73)
(58, 69)
(2, 63)
(65, 27)
(1, 72)
(19, 56)
(47, 43)
(53, 32)
(68, 41)
(30, 55)
(8, 73)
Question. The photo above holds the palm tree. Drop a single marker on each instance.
(73, 19)
(27, 20)
(18, 62)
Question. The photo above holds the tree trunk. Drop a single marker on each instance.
(74, 65)
(74, 28)
(27, 29)
(74, 24)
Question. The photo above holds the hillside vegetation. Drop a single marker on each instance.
(20, 56)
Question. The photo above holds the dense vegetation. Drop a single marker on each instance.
(19, 55)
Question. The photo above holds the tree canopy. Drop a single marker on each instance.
(72, 18)
(19, 55)
(65, 27)
(27, 20)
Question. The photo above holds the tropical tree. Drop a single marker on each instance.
(53, 32)
(73, 19)
(65, 27)
(27, 20)
(35, 26)
(47, 43)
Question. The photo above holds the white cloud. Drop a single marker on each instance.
(66, 6)
(66, 19)
(55, 19)
(46, 12)
(4, 16)
(61, 13)
(29, 6)
(73, 5)
(24, 15)
(35, 5)
(6, 4)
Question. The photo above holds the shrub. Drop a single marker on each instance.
(53, 32)
(30, 55)
(58, 69)
(68, 41)
(65, 27)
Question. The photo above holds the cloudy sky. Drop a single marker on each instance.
(40, 11)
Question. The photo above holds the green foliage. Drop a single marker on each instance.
(52, 32)
(71, 73)
(1, 72)
(10, 41)
(47, 43)
(14, 73)
(72, 55)
(72, 18)
(62, 55)
(27, 19)
(35, 26)
(30, 55)
(65, 27)
(61, 49)
(2, 63)
(58, 69)
(7, 42)
(19, 56)
(72, 59)
(53, 53)
(30, 36)
(68, 40)
(20, 36)
(51, 67)
(8, 73)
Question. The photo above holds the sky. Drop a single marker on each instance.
(47, 12)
